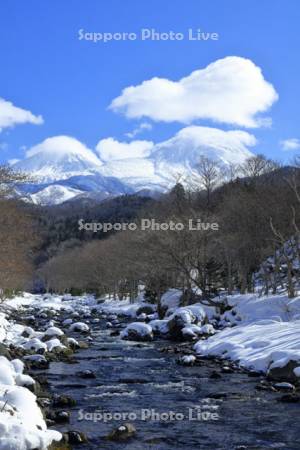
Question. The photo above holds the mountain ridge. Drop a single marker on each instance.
(64, 168)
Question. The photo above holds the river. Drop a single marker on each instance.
(227, 410)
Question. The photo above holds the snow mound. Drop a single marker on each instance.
(171, 299)
(137, 331)
(18, 429)
(79, 327)
(256, 346)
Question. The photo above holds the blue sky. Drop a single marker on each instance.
(47, 70)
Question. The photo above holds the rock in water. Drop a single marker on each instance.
(122, 433)
(284, 373)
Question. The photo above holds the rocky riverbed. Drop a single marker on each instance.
(110, 393)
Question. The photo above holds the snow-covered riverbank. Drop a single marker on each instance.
(257, 333)
(22, 425)
(262, 333)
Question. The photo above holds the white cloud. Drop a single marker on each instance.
(230, 90)
(185, 147)
(11, 115)
(290, 144)
(111, 149)
(144, 126)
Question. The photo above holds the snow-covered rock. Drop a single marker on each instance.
(67, 322)
(170, 300)
(55, 344)
(159, 326)
(53, 331)
(137, 331)
(36, 345)
(184, 317)
(80, 327)
(187, 360)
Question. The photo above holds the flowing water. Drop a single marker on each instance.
(131, 377)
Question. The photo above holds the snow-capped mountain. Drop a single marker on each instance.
(58, 158)
(63, 168)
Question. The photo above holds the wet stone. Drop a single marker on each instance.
(122, 433)
(75, 437)
(289, 398)
(215, 375)
(63, 401)
(58, 416)
(86, 374)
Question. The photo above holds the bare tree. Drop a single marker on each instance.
(209, 174)
(257, 165)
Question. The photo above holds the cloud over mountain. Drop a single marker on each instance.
(231, 90)
(110, 149)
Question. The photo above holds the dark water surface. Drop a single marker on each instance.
(131, 376)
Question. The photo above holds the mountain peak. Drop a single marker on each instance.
(59, 157)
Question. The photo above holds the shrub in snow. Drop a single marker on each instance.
(137, 331)
(80, 327)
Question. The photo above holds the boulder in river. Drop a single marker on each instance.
(289, 398)
(187, 360)
(86, 374)
(63, 401)
(286, 372)
(75, 437)
(137, 331)
(178, 321)
(122, 433)
(58, 416)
